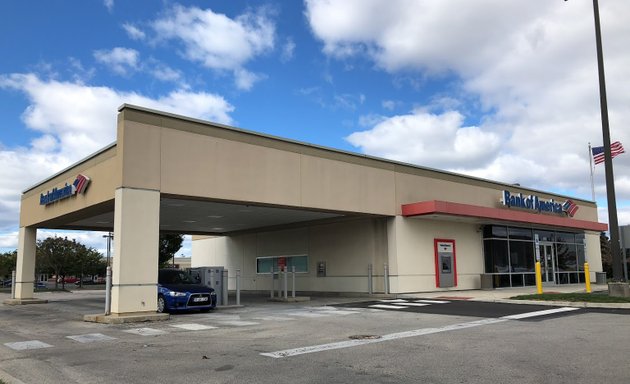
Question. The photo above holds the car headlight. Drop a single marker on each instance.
(213, 293)
(176, 294)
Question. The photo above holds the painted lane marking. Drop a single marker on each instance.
(193, 327)
(23, 345)
(307, 314)
(391, 336)
(412, 304)
(412, 333)
(274, 318)
(238, 323)
(540, 313)
(90, 338)
(393, 301)
(432, 301)
(385, 306)
(146, 331)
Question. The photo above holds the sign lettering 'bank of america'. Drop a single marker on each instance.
(79, 186)
(535, 203)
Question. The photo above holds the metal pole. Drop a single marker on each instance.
(590, 161)
(285, 282)
(273, 288)
(293, 277)
(225, 287)
(386, 278)
(238, 287)
(613, 224)
(108, 291)
(13, 276)
(370, 288)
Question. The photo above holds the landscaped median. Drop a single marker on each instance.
(577, 299)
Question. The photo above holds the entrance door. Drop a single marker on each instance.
(547, 263)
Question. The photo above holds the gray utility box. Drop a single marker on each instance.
(210, 277)
(600, 278)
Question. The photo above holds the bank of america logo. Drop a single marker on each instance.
(569, 207)
(81, 183)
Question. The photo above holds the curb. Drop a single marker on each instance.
(576, 304)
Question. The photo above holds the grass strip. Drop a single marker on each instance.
(585, 297)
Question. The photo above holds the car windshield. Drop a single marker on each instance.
(174, 277)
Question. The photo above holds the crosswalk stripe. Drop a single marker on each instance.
(24, 345)
(413, 304)
(193, 327)
(90, 338)
(385, 306)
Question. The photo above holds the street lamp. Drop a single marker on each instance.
(110, 237)
(613, 224)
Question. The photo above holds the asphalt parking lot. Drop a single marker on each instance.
(326, 340)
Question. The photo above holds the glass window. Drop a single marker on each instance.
(264, 264)
(579, 238)
(520, 234)
(580, 256)
(565, 237)
(545, 235)
(494, 231)
(567, 257)
(522, 256)
(500, 281)
(496, 256)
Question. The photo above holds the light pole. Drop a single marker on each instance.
(613, 224)
(109, 237)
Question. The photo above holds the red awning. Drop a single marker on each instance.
(436, 207)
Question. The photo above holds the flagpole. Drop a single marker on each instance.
(590, 160)
(613, 223)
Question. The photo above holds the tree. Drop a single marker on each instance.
(169, 245)
(604, 245)
(7, 263)
(58, 255)
(87, 262)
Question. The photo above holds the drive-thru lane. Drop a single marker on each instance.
(465, 308)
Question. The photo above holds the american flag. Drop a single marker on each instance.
(598, 152)
(570, 207)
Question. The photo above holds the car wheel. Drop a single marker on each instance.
(161, 304)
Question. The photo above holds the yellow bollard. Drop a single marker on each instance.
(538, 279)
(587, 278)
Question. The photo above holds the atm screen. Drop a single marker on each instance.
(446, 264)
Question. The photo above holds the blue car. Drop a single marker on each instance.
(177, 291)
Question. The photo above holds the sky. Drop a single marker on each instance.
(502, 90)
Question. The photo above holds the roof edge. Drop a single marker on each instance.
(83, 160)
(349, 153)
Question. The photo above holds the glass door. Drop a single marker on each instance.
(547, 263)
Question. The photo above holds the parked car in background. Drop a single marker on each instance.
(177, 291)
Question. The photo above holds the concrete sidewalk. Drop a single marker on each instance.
(502, 295)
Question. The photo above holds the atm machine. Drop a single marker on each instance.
(445, 263)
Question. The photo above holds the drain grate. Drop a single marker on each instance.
(364, 337)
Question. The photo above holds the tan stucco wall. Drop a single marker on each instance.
(414, 254)
(105, 178)
(346, 247)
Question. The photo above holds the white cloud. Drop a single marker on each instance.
(120, 60)
(245, 80)
(134, 32)
(217, 41)
(165, 73)
(427, 139)
(288, 50)
(109, 4)
(529, 68)
(69, 134)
